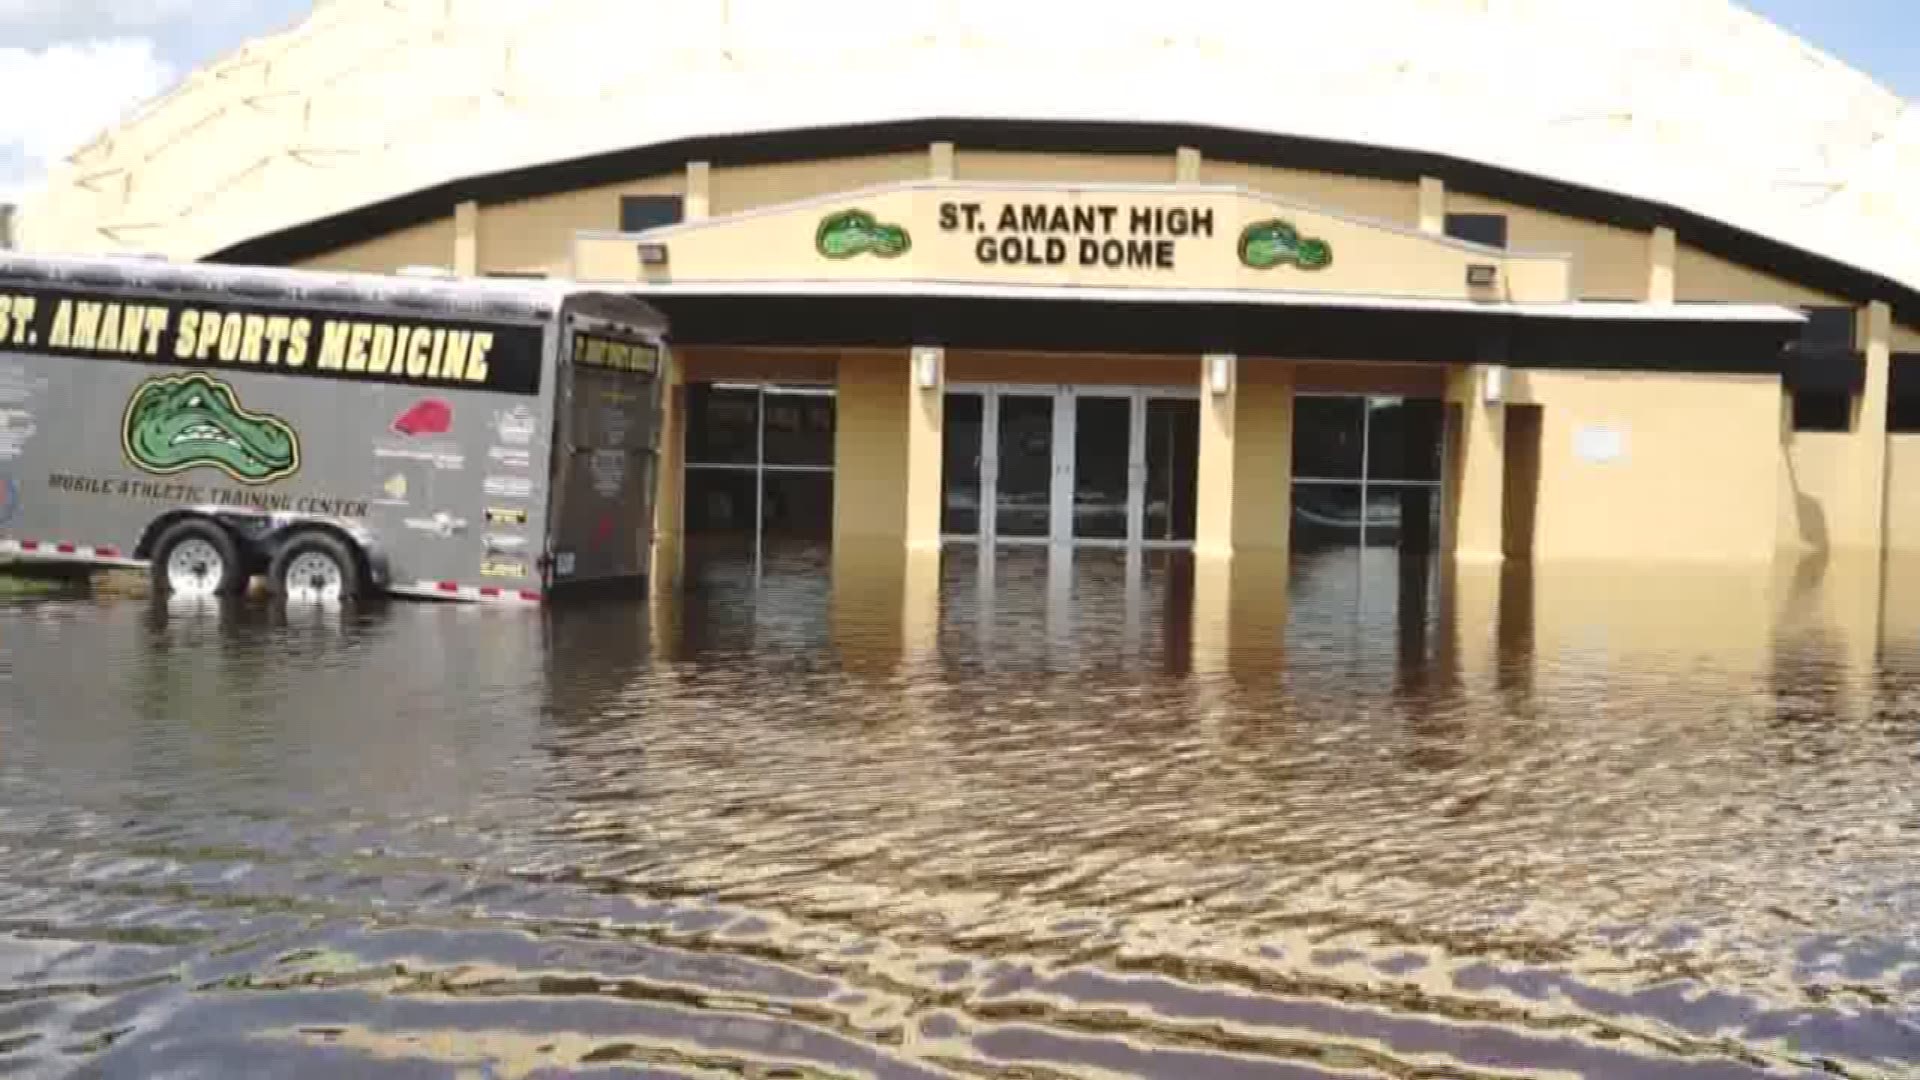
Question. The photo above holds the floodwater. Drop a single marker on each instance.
(1087, 816)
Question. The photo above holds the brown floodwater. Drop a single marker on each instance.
(1057, 815)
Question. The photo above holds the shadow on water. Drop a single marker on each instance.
(1030, 812)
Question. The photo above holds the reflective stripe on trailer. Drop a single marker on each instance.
(54, 549)
(491, 594)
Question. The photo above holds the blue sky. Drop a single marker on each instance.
(99, 57)
(1880, 37)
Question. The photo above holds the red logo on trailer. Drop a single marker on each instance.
(428, 417)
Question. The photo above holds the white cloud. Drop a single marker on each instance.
(64, 95)
(44, 20)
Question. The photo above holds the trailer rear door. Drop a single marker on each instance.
(607, 454)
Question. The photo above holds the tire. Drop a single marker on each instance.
(316, 567)
(196, 557)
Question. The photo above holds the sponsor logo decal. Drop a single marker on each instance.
(441, 524)
(16, 427)
(563, 564)
(515, 426)
(429, 416)
(509, 487)
(609, 469)
(504, 567)
(849, 233)
(506, 515)
(178, 422)
(510, 458)
(505, 546)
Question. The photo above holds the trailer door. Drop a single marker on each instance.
(609, 444)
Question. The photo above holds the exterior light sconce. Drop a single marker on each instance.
(1482, 275)
(1219, 373)
(1493, 385)
(653, 253)
(926, 368)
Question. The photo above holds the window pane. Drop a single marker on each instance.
(960, 501)
(1326, 437)
(1403, 439)
(720, 502)
(1173, 453)
(798, 509)
(1326, 515)
(722, 425)
(799, 428)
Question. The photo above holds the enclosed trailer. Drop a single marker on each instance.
(340, 434)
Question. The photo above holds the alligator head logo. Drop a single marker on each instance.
(851, 232)
(1271, 243)
(179, 422)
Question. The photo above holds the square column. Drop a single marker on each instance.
(1244, 487)
(888, 442)
(669, 500)
(1477, 471)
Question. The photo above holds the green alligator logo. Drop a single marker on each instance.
(852, 232)
(1271, 243)
(179, 422)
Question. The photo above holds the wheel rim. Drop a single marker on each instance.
(315, 576)
(195, 567)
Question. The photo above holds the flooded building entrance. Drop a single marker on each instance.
(1097, 465)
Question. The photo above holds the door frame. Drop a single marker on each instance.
(1065, 397)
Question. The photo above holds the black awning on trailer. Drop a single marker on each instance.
(1321, 331)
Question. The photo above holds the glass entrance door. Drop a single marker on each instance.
(1070, 465)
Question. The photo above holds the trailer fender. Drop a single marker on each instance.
(246, 530)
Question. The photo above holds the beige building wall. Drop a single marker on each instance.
(1000, 166)
(733, 189)
(1695, 476)
(1391, 201)
(428, 244)
(1609, 263)
(1903, 494)
(1700, 277)
(1815, 513)
(535, 236)
(870, 450)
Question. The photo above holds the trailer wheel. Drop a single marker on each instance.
(197, 558)
(315, 567)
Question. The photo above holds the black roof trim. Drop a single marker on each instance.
(1748, 249)
(1253, 330)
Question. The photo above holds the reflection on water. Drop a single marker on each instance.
(1045, 814)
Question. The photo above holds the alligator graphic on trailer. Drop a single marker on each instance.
(180, 422)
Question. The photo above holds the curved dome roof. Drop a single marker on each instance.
(1696, 104)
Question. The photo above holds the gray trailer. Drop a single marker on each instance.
(341, 435)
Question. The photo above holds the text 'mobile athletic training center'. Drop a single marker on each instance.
(1497, 279)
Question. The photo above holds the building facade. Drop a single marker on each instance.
(929, 328)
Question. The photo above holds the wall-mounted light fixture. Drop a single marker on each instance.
(1220, 372)
(1482, 275)
(926, 368)
(653, 253)
(1493, 385)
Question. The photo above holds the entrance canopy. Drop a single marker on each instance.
(1147, 269)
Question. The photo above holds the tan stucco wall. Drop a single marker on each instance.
(536, 235)
(1906, 338)
(1699, 276)
(749, 187)
(997, 165)
(429, 244)
(1383, 200)
(1609, 263)
(1903, 494)
(1816, 512)
(870, 448)
(1696, 479)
